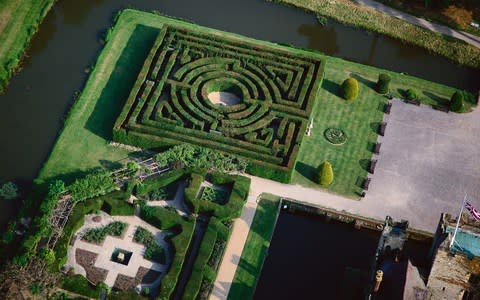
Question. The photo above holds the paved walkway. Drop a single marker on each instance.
(467, 37)
(233, 252)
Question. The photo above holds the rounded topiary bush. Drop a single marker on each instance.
(325, 174)
(457, 103)
(411, 94)
(349, 90)
(383, 83)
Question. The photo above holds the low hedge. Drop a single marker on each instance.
(182, 231)
(80, 285)
(232, 208)
(115, 204)
(160, 181)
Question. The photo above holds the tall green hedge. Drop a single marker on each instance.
(383, 83)
(349, 89)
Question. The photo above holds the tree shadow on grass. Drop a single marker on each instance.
(307, 171)
(365, 81)
(364, 163)
(440, 101)
(115, 93)
(331, 87)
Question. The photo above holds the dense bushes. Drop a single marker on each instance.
(80, 285)
(191, 156)
(154, 252)
(325, 174)
(233, 206)
(349, 89)
(159, 181)
(8, 191)
(97, 235)
(457, 102)
(383, 83)
(92, 185)
(115, 204)
(411, 94)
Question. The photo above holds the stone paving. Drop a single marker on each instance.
(126, 243)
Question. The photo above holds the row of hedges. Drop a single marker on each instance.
(233, 207)
(182, 231)
(201, 270)
(187, 119)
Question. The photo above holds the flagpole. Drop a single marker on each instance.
(458, 220)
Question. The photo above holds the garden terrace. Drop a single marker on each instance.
(268, 94)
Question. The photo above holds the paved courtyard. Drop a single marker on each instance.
(428, 161)
(105, 250)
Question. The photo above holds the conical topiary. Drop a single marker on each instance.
(349, 90)
(325, 174)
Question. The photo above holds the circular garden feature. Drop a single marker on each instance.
(222, 92)
(335, 136)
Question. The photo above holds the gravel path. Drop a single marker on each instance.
(467, 37)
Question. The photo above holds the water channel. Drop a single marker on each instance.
(310, 256)
(33, 108)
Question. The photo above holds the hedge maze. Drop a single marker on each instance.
(169, 103)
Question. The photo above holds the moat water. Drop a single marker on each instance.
(310, 256)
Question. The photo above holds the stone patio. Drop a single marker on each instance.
(126, 242)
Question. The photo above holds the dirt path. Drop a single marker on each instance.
(233, 252)
(467, 37)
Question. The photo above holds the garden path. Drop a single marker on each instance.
(467, 37)
(178, 201)
(233, 252)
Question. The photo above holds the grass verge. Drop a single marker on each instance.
(255, 249)
(19, 21)
(351, 13)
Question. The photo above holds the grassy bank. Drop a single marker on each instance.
(19, 21)
(255, 249)
(350, 13)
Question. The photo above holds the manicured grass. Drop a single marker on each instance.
(255, 249)
(351, 13)
(359, 119)
(18, 23)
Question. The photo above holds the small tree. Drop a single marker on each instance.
(9, 191)
(325, 174)
(383, 83)
(349, 90)
(456, 102)
(411, 94)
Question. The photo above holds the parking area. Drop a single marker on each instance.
(428, 160)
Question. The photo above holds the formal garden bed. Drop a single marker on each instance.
(154, 252)
(87, 260)
(98, 235)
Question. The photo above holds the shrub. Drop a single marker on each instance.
(47, 255)
(349, 89)
(325, 174)
(9, 191)
(457, 104)
(95, 184)
(411, 94)
(383, 83)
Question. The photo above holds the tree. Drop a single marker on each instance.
(9, 191)
(411, 94)
(383, 83)
(325, 174)
(56, 188)
(48, 256)
(349, 89)
(132, 166)
(456, 102)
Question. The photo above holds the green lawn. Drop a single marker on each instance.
(359, 119)
(18, 22)
(255, 249)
